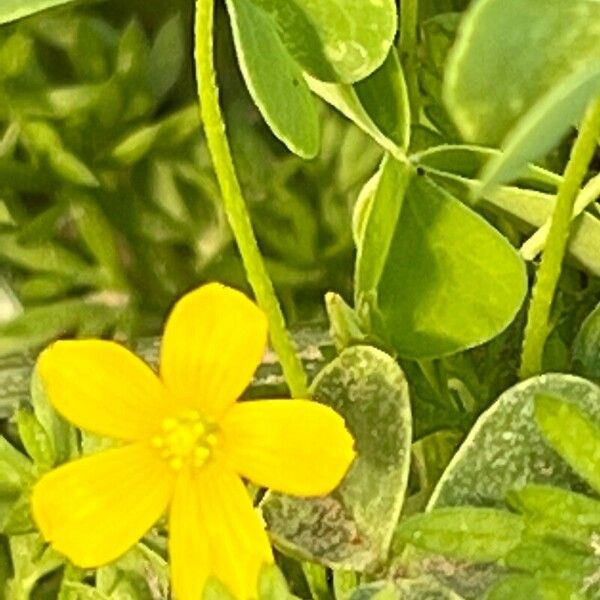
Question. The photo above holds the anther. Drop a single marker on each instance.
(176, 463)
(169, 424)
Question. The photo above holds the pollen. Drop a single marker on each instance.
(185, 439)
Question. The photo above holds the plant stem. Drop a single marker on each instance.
(535, 244)
(409, 23)
(233, 200)
(537, 329)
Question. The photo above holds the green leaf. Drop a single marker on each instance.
(166, 58)
(467, 160)
(464, 533)
(457, 168)
(493, 79)
(505, 449)
(498, 90)
(18, 519)
(34, 438)
(586, 347)
(450, 281)
(62, 435)
(378, 104)
(557, 512)
(11, 10)
(16, 470)
(46, 257)
(272, 584)
(352, 527)
(526, 587)
(98, 235)
(553, 558)
(381, 209)
(214, 590)
(404, 589)
(424, 589)
(571, 432)
(140, 574)
(274, 79)
(542, 127)
(375, 591)
(335, 40)
(46, 142)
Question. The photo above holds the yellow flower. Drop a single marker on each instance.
(186, 446)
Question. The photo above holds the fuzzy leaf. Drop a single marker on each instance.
(352, 527)
(505, 449)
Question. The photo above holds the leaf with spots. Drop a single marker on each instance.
(352, 527)
(505, 449)
(335, 40)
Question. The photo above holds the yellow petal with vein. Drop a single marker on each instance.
(102, 387)
(94, 509)
(297, 447)
(213, 342)
(214, 531)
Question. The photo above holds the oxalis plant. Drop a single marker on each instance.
(432, 166)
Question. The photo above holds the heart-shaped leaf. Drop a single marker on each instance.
(352, 527)
(457, 168)
(450, 281)
(335, 40)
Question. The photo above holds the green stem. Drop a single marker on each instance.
(234, 203)
(537, 329)
(409, 23)
(588, 195)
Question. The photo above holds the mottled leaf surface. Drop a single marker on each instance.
(505, 449)
(352, 527)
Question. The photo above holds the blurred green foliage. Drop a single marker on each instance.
(109, 207)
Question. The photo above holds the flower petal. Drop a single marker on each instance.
(214, 339)
(215, 532)
(102, 387)
(94, 509)
(297, 447)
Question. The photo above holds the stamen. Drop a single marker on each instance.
(185, 439)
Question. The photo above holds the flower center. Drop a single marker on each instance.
(184, 439)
